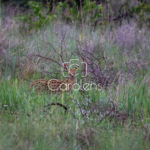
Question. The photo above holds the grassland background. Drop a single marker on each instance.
(117, 117)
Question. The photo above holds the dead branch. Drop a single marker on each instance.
(58, 104)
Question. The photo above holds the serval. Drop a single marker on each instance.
(54, 85)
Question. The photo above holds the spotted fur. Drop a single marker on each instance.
(54, 85)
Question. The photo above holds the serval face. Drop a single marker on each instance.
(55, 85)
(72, 72)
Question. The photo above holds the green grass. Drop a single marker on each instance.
(27, 124)
(113, 118)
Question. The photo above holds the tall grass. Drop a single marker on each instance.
(117, 117)
(27, 124)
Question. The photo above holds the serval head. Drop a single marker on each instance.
(72, 72)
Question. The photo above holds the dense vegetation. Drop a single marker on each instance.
(37, 37)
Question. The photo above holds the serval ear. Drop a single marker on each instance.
(76, 68)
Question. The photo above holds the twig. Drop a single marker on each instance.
(47, 59)
(58, 104)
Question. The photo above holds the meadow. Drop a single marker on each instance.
(115, 117)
